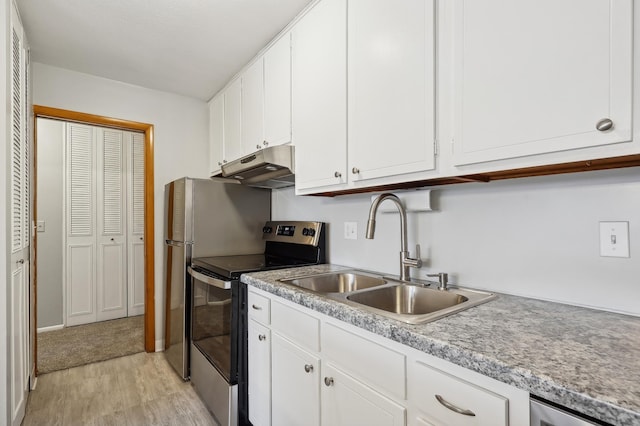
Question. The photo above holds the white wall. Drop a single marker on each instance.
(50, 167)
(536, 237)
(180, 139)
(5, 13)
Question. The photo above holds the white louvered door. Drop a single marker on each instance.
(112, 250)
(136, 223)
(18, 362)
(104, 265)
(80, 226)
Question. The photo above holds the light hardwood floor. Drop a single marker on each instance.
(139, 389)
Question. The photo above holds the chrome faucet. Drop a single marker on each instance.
(405, 261)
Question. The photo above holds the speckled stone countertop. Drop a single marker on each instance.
(584, 359)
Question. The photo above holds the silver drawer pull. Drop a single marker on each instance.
(328, 381)
(604, 124)
(308, 368)
(452, 407)
(256, 307)
(262, 337)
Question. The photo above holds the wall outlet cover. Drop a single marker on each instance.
(614, 239)
(351, 230)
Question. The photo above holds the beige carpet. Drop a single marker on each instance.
(89, 343)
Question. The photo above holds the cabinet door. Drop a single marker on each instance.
(277, 92)
(253, 107)
(216, 134)
(19, 341)
(345, 401)
(232, 121)
(391, 87)
(534, 77)
(295, 385)
(259, 374)
(111, 237)
(319, 95)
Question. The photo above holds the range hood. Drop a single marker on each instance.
(271, 167)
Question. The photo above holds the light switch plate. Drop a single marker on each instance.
(40, 226)
(351, 230)
(614, 239)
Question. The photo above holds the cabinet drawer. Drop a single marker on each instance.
(426, 384)
(377, 365)
(301, 328)
(259, 308)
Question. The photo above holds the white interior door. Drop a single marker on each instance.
(111, 237)
(80, 253)
(135, 225)
(20, 235)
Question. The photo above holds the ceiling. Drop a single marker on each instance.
(188, 47)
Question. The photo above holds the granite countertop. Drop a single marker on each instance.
(583, 359)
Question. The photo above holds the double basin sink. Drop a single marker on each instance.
(413, 303)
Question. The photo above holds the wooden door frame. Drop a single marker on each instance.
(149, 240)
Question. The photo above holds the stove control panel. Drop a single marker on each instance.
(296, 232)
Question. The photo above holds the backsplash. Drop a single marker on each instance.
(535, 237)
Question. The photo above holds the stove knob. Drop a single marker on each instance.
(266, 230)
(305, 231)
(311, 232)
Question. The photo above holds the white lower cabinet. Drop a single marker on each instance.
(260, 373)
(347, 401)
(295, 386)
(443, 399)
(326, 372)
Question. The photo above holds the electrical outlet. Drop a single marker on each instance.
(351, 230)
(614, 239)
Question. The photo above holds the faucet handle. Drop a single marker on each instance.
(410, 261)
(443, 279)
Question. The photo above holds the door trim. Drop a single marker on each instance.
(149, 227)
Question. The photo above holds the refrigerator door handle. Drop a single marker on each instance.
(225, 285)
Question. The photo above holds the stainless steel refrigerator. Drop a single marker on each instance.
(204, 217)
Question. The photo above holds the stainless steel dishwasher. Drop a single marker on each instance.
(544, 414)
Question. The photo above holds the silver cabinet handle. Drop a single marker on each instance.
(224, 161)
(355, 170)
(20, 262)
(256, 307)
(337, 174)
(265, 143)
(219, 163)
(328, 381)
(453, 408)
(308, 368)
(604, 125)
(262, 337)
(258, 147)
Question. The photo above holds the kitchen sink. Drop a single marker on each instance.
(410, 302)
(408, 299)
(337, 282)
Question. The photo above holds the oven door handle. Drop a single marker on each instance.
(225, 285)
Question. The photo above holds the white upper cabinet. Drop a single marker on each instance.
(233, 121)
(216, 134)
(319, 96)
(277, 93)
(383, 51)
(391, 87)
(252, 108)
(534, 77)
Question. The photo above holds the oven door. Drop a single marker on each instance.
(214, 322)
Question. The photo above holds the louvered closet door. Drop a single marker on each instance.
(136, 223)
(80, 253)
(112, 250)
(19, 230)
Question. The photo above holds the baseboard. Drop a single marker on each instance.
(51, 328)
(160, 345)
